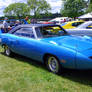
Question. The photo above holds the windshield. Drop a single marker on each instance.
(49, 31)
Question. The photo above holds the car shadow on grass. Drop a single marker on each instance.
(24, 59)
(81, 76)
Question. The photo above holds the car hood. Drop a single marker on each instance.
(72, 42)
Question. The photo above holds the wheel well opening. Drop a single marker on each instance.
(3, 45)
(45, 57)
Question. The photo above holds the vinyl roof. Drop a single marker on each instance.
(36, 25)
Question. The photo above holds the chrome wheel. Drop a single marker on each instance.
(53, 64)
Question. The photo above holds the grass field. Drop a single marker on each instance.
(20, 74)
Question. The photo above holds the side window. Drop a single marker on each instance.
(77, 24)
(25, 32)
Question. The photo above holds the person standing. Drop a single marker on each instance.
(5, 25)
(27, 20)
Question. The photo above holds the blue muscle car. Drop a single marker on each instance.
(49, 44)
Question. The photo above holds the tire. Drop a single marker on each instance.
(7, 51)
(53, 64)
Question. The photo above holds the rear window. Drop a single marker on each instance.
(25, 32)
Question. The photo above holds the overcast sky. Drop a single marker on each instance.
(55, 4)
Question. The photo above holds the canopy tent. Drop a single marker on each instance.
(85, 16)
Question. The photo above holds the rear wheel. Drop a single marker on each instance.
(7, 51)
(53, 64)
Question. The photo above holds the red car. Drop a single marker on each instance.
(47, 22)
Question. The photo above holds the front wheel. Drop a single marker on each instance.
(53, 64)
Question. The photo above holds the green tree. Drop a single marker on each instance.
(89, 9)
(73, 8)
(38, 7)
(17, 9)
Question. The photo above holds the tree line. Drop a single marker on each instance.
(75, 8)
(42, 9)
(32, 7)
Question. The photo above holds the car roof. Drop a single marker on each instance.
(37, 25)
(34, 25)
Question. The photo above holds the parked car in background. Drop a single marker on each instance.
(71, 24)
(57, 20)
(83, 26)
(83, 29)
(55, 49)
(47, 22)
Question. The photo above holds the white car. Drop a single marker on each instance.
(59, 20)
(83, 29)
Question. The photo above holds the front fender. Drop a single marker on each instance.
(63, 54)
(83, 60)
